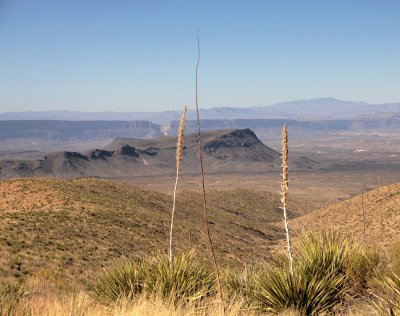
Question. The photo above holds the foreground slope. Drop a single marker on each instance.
(379, 209)
(75, 227)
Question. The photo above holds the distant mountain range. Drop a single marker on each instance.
(322, 108)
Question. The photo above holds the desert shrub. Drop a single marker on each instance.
(361, 268)
(317, 284)
(189, 281)
(394, 254)
(124, 280)
(388, 299)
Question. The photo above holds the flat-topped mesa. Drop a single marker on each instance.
(229, 150)
(236, 138)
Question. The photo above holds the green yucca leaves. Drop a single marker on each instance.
(280, 290)
(388, 302)
(190, 280)
(122, 281)
(318, 282)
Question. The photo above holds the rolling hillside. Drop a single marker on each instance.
(73, 228)
(381, 212)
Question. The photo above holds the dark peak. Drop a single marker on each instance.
(127, 150)
(100, 154)
(66, 155)
(241, 133)
(72, 154)
(233, 138)
(151, 151)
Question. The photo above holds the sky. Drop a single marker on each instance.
(140, 55)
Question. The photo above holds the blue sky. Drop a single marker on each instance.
(98, 55)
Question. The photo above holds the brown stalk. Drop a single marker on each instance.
(179, 150)
(207, 226)
(363, 214)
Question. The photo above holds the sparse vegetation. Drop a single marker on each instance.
(329, 274)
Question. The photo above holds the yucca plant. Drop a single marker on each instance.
(317, 283)
(281, 290)
(124, 280)
(189, 281)
(388, 301)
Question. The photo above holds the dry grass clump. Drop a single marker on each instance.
(11, 296)
(80, 304)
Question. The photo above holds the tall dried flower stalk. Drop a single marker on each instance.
(284, 189)
(207, 226)
(179, 150)
(363, 214)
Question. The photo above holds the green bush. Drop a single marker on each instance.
(189, 281)
(317, 284)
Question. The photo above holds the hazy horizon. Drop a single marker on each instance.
(203, 108)
(140, 56)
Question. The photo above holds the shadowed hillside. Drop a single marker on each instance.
(78, 226)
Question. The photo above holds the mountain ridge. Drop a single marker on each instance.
(230, 149)
(317, 108)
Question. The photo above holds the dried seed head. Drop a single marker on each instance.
(285, 179)
(179, 142)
